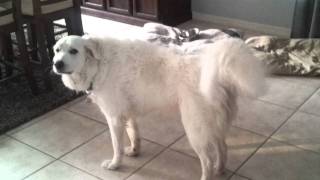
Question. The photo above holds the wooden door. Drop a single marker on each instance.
(120, 6)
(147, 9)
(96, 4)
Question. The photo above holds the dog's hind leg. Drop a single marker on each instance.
(133, 134)
(116, 126)
(221, 155)
(198, 132)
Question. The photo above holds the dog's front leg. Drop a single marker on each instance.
(116, 127)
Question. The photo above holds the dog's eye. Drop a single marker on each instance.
(73, 51)
(57, 50)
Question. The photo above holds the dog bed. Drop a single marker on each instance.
(281, 56)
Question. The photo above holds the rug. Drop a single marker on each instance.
(18, 105)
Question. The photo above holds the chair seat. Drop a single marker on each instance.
(6, 19)
(27, 6)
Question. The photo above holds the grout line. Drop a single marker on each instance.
(44, 116)
(250, 131)
(34, 121)
(269, 137)
(60, 160)
(154, 142)
(316, 89)
(309, 113)
(193, 157)
(279, 105)
(241, 176)
(4, 136)
(183, 153)
(87, 117)
(32, 147)
(54, 158)
(196, 158)
(154, 157)
(297, 82)
(298, 147)
(143, 165)
(34, 172)
(83, 143)
(75, 101)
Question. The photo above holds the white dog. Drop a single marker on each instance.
(131, 77)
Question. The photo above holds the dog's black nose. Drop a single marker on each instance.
(59, 65)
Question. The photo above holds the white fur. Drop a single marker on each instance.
(132, 77)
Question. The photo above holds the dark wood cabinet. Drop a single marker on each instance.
(169, 12)
(120, 6)
(147, 9)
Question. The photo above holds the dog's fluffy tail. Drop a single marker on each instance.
(229, 63)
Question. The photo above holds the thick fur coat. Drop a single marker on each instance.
(128, 78)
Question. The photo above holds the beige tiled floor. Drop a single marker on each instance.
(275, 137)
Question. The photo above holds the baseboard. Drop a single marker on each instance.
(241, 24)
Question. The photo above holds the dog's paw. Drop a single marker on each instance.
(129, 151)
(110, 165)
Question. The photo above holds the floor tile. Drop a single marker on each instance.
(60, 133)
(280, 161)
(172, 165)
(163, 126)
(302, 130)
(241, 144)
(75, 101)
(236, 177)
(261, 117)
(18, 160)
(90, 156)
(306, 81)
(88, 109)
(108, 27)
(312, 105)
(153, 126)
(44, 116)
(60, 171)
(286, 93)
(34, 121)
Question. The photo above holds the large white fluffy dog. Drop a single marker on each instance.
(131, 77)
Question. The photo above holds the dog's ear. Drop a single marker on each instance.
(91, 47)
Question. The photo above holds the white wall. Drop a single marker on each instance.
(270, 12)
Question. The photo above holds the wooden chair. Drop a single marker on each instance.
(41, 14)
(10, 21)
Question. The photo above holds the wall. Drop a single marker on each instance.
(270, 12)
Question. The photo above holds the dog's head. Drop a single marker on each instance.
(71, 54)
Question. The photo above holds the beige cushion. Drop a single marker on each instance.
(7, 19)
(288, 56)
(27, 7)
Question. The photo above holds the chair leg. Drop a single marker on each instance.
(50, 38)
(74, 24)
(45, 62)
(1, 52)
(24, 59)
(32, 38)
(8, 53)
(77, 20)
(69, 26)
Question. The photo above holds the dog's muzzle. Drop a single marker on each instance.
(59, 67)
